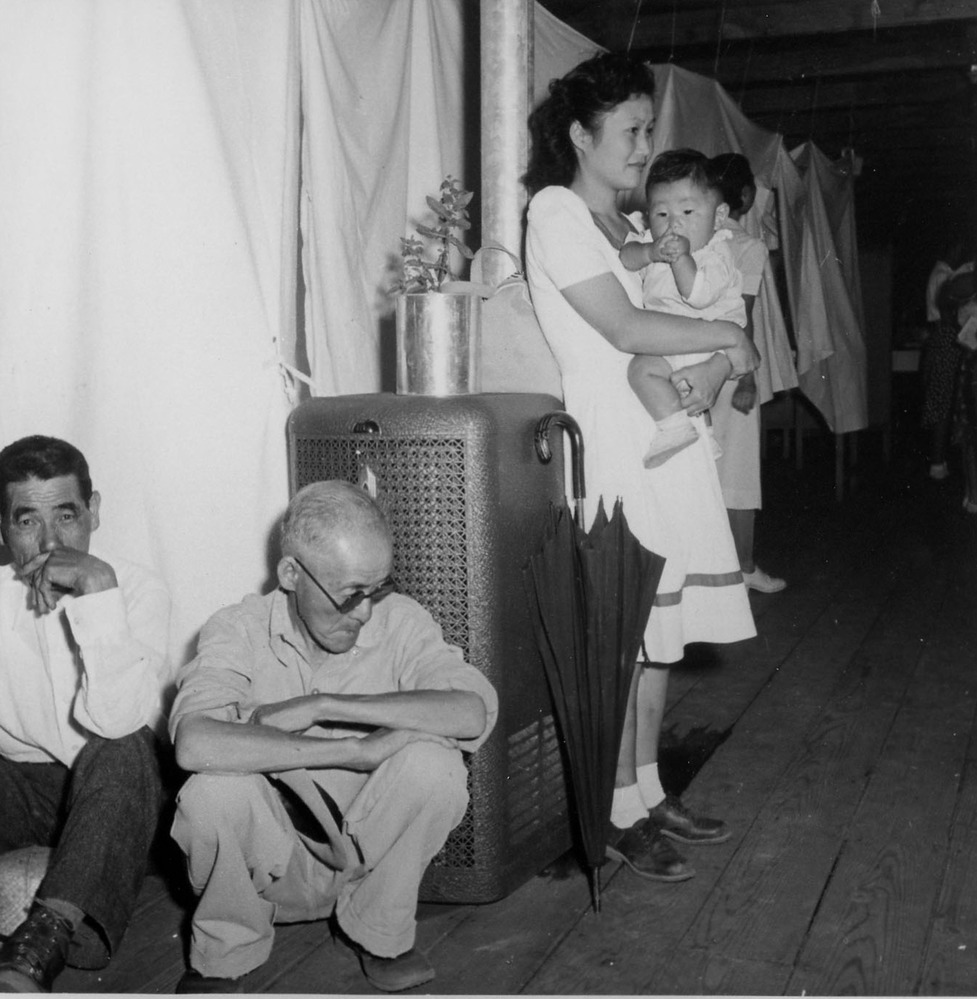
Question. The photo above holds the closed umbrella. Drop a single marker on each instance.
(591, 593)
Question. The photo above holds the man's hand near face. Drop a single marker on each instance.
(52, 574)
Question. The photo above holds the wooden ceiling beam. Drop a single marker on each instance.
(613, 23)
(863, 54)
(896, 132)
(938, 94)
(894, 137)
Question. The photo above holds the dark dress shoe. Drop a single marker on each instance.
(648, 853)
(34, 954)
(672, 819)
(193, 983)
(396, 974)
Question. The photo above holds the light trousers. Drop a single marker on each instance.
(252, 868)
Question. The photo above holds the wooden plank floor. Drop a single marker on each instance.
(839, 744)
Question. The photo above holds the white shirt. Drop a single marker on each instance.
(96, 665)
(717, 292)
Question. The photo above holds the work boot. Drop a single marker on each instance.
(34, 954)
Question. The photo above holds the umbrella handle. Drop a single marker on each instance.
(541, 440)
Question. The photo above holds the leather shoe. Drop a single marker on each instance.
(34, 954)
(647, 853)
(396, 974)
(193, 983)
(672, 819)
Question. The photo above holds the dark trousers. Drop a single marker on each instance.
(99, 817)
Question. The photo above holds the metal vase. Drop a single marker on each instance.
(438, 343)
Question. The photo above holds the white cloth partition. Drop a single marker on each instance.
(147, 269)
(830, 290)
(151, 162)
(557, 48)
(382, 125)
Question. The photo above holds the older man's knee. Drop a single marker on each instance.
(208, 800)
(431, 772)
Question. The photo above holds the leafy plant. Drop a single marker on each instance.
(420, 274)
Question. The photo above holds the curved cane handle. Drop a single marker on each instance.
(541, 441)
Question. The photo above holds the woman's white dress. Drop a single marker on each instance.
(676, 509)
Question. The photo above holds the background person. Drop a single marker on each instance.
(940, 363)
(589, 144)
(83, 674)
(736, 414)
(957, 301)
(323, 724)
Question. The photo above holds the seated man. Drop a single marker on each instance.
(324, 725)
(83, 669)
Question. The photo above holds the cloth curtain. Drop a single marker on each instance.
(557, 48)
(157, 159)
(830, 290)
(148, 213)
(382, 97)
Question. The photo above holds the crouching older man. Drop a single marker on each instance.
(83, 676)
(324, 725)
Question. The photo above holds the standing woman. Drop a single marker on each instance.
(590, 144)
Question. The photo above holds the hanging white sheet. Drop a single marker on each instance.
(147, 270)
(382, 89)
(831, 290)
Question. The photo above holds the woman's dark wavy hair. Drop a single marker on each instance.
(732, 172)
(588, 92)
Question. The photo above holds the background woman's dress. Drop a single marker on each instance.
(676, 509)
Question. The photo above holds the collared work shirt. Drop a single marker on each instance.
(95, 665)
(251, 654)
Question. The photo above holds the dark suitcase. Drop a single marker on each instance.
(467, 498)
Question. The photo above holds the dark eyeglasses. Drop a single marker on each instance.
(356, 597)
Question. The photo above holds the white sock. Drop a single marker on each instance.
(676, 423)
(674, 433)
(627, 807)
(650, 786)
(717, 451)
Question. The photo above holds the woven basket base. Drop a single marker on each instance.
(21, 872)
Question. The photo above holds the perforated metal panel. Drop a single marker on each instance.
(467, 499)
(423, 495)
